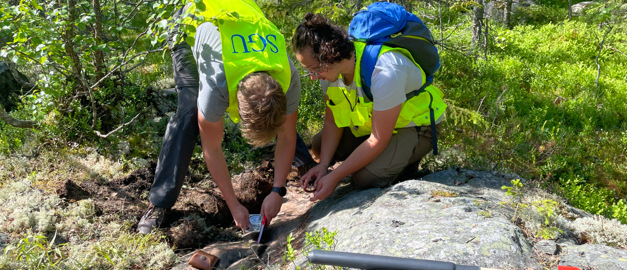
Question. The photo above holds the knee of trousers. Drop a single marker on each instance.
(365, 179)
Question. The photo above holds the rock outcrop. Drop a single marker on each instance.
(456, 216)
(453, 216)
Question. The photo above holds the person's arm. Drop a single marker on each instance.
(283, 156)
(331, 136)
(366, 152)
(211, 134)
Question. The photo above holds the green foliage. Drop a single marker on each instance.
(546, 208)
(34, 253)
(335, 13)
(516, 195)
(322, 240)
(290, 252)
(311, 109)
(538, 15)
(596, 200)
(608, 14)
(10, 138)
(73, 97)
(237, 152)
(544, 117)
(532, 107)
(464, 6)
(485, 213)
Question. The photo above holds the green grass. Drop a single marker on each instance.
(548, 120)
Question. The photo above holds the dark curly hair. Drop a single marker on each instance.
(329, 42)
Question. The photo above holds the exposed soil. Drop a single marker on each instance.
(200, 218)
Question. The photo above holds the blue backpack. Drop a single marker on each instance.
(389, 24)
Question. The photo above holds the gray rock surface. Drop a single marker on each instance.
(579, 7)
(549, 247)
(590, 256)
(408, 221)
(453, 216)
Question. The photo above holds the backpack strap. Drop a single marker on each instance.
(368, 61)
(434, 134)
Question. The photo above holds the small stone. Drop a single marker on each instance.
(546, 246)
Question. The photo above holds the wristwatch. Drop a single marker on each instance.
(281, 190)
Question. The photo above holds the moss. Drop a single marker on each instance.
(26, 208)
(123, 251)
(601, 230)
(91, 241)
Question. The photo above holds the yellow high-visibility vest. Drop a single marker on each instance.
(354, 111)
(250, 42)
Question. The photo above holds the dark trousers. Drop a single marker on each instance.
(182, 133)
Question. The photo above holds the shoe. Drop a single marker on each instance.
(151, 220)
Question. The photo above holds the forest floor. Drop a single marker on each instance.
(200, 218)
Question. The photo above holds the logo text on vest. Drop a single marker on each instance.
(256, 37)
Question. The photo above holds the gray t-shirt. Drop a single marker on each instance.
(393, 77)
(213, 95)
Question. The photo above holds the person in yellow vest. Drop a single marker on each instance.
(238, 64)
(375, 140)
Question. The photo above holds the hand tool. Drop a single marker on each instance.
(263, 224)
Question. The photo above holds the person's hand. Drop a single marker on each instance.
(324, 187)
(314, 173)
(240, 215)
(271, 206)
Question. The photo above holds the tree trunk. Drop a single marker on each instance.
(485, 39)
(77, 68)
(98, 54)
(507, 14)
(477, 20)
(596, 60)
(70, 47)
(15, 122)
(570, 10)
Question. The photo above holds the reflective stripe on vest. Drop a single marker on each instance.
(351, 109)
(250, 43)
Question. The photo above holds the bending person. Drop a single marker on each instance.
(238, 64)
(376, 139)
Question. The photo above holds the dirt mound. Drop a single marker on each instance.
(199, 217)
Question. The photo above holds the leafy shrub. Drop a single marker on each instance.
(322, 240)
(545, 117)
(596, 200)
(538, 14)
(537, 215)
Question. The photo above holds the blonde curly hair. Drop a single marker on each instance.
(262, 107)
